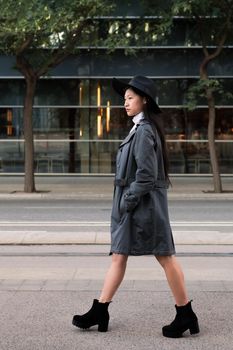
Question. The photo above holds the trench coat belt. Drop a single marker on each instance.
(125, 182)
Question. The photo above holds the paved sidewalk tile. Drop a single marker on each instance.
(96, 285)
(55, 285)
(75, 285)
(36, 285)
(42, 320)
(212, 286)
(228, 285)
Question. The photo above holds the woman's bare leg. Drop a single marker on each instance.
(113, 277)
(175, 278)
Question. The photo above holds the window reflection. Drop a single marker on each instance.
(82, 122)
(99, 92)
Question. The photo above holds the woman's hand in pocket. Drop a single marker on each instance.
(130, 201)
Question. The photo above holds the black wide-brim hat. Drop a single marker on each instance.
(143, 85)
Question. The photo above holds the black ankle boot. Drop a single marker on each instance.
(97, 315)
(185, 319)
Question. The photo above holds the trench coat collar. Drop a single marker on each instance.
(132, 133)
(128, 138)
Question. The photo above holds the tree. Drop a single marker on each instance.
(41, 34)
(212, 20)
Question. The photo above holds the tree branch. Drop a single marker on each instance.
(61, 53)
(218, 50)
(24, 67)
(25, 44)
(219, 47)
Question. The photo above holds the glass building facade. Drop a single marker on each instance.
(79, 121)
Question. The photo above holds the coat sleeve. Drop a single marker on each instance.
(147, 167)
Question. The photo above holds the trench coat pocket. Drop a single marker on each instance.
(122, 207)
(143, 216)
(131, 201)
(128, 201)
(143, 225)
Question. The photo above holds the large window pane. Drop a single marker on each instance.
(99, 92)
(11, 156)
(85, 138)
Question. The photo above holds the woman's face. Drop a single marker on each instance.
(133, 102)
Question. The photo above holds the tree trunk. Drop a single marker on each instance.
(211, 139)
(29, 181)
(211, 129)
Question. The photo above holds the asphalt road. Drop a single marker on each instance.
(31, 221)
(99, 210)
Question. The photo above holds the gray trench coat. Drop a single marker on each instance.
(139, 218)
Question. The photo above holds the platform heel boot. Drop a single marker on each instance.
(185, 320)
(97, 315)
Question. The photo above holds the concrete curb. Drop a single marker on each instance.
(37, 238)
(51, 195)
(22, 195)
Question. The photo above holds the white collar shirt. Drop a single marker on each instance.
(136, 119)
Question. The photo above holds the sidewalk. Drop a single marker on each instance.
(41, 288)
(98, 187)
(41, 319)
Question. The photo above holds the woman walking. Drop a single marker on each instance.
(139, 218)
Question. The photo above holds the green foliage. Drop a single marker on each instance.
(210, 18)
(200, 7)
(40, 30)
(198, 90)
(120, 34)
(211, 23)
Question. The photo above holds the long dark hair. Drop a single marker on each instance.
(156, 121)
